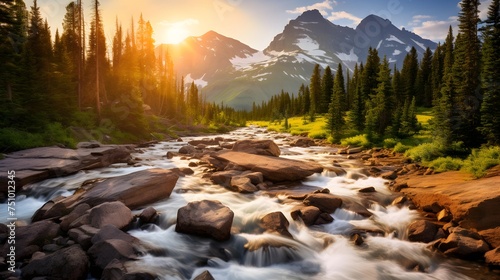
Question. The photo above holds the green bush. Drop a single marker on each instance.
(443, 164)
(400, 148)
(55, 133)
(317, 135)
(425, 152)
(480, 160)
(359, 140)
(390, 143)
(12, 139)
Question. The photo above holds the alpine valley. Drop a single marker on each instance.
(230, 72)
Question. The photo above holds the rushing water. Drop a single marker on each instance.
(318, 252)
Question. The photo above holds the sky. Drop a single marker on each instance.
(256, 22)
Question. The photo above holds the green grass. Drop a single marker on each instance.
(298, 126)
(356, 141)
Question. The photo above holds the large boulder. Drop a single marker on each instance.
(37, 164)
(67, 263)
(471, 203)
(463, 243)
(104, 252)
(110, 213)
(276, 222)
(242, 184)
(205, 218)
(302, 142)
(274, 169)
(492, 258)
(325, 202)
(135, 190)
(422, 231)
(257, 147)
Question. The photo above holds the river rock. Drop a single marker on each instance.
(103, 252)
(205, 275)
(134, 190)
(274, 169)
(204, 141)
(36, 234)
(224, 177)
(37, 164)
(148, 215)
(491, 236)
(308, 214)
(83, 235)
(303, 142)
(463, 243)
(205, 218)
(325, 202)
(492, 258)
(276, 222)
(243, 184)
(112, 232)
(68, 263)
(74, 215)
(187, 150)
(422, 231)
(257, 147)
(110, 213)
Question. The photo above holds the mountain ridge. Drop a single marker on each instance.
(238, 75)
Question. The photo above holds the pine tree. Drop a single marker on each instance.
(336, 109)
(423, 84)
(315, 91)
(444, 118)
(326, 90)
(382, 104)
(357, 112)
(369, 74)
(490, 108)
(466, 70)
(409, 74)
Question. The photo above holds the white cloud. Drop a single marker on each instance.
(483, 9)
(322, 7)
(417, 19)
(344, 15)
(436, 30)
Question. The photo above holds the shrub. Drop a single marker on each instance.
(358, 140)
(12, 139)
(317, 135)
(480, 160)
(425, 152)
(400, 148)
(390, 143)
(442, 164)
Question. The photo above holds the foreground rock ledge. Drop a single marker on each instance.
(274, 169)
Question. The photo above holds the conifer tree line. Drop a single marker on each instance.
(80, 76)
(459, 81)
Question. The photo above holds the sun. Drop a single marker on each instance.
(175, 34)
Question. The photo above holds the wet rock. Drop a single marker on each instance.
(205, 218)
(399, 187)
(74, 215)
(463, 243)
(422, 231)
(36, 234)
(114, 270)
(257, 147)
(491, 236)
(204, 141)
(37, 164)
(169, 155)
(492, 258)
(134, 190)
(242, 184)
(444, 216)
(205, 275)
(434, 207)
(325, 202)
(308, 214)
(338, 170)
(227, 145)
(389, 175)
(276, 222)
(303, 142)
(224, 177)
(104, 252)
(148, 215)
(274, 169)
(255, 177)
(324, 218)
(88, 145)
(111, 232)
(400, 200)
(367, 190)
(187, 150)
(67, 263)
(110, 213)
(83, 235)
(357, 239)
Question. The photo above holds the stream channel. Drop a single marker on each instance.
(316, 252)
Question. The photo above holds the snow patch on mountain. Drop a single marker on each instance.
(351, 56)
(419, 44)
(199, 82)
(394, 38)
(247, 62)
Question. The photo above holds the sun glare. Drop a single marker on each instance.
(176, 34)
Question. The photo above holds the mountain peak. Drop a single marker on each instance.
(374, 18)
(310, 16)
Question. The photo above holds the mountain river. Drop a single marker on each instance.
(316, 252)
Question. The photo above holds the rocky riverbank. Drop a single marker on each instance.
(70, 237)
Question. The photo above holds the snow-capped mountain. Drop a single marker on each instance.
(231, 72)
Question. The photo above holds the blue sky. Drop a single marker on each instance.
(256, 22)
